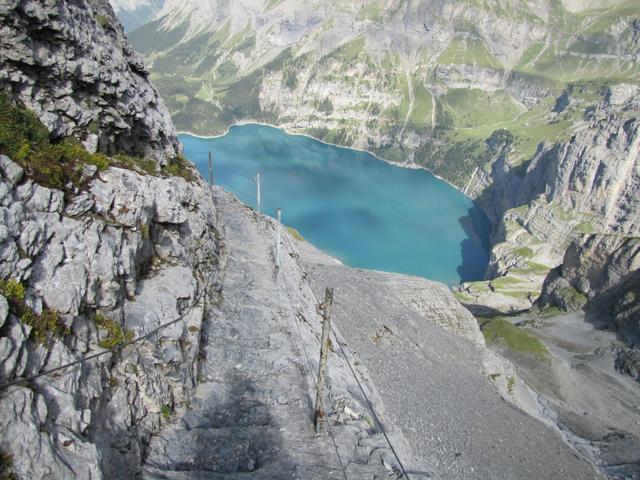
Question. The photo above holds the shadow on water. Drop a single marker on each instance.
(475, 247)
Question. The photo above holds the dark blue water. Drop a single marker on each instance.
(353, 206)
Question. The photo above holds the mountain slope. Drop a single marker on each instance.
(413, 81)
(485, 94)
(134, 13)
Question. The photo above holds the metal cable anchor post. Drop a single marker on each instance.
(319, 415)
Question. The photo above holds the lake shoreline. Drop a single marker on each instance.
(412, 166)
(460, 245)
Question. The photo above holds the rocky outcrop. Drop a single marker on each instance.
(588, 184)
(594, 172)
(128, 255)
(69, 63)
(604, 269)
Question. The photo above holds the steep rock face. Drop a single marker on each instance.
(595, 172)
(606, 270)
(132, 252)
(588, 184)
(70, 63)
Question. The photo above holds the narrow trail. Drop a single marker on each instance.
(251, 415)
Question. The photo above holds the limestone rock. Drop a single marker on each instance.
(36, 453)
(84, 50)
(604, 269)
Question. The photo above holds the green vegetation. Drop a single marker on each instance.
(166, 411)
(505, 282)
(462, 297)
(21, 133)
(6, 464)
(502, 331)
(180, 167)
(116, 335)
(572, 299)
(469, 51)
(350, 50)
(271, 4)
(13, 290)
(103, 21)
(371, 11)
(524, 252)
(58, 164)
(511, 385)
(140, 165)
(326, 106)
(420, 119)
(295, 234)
(468, 107)
(521, 294)
(48, 322)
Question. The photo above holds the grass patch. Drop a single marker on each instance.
(469, 51)
(468, 107)
(420, 119)
(59, 164)
(166, 411)
(462, 297)
(48, 322)
(479, 287)
(6, 465)
(144, 231)
(521, 294)
(116, 335)
(180, 167)
(501, 331)
(103, 21)
(525, 252)
(51, 164)
(506, 281)
(295, 234)
(140, 165)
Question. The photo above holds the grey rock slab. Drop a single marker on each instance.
(68, 77)
(160, 295)
(39, 454)
(432, 386)
(4, 310)
(10, 170)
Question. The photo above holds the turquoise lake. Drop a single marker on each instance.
(359, 209)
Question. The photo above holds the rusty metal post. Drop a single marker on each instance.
(210, 169)
(319, 415)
